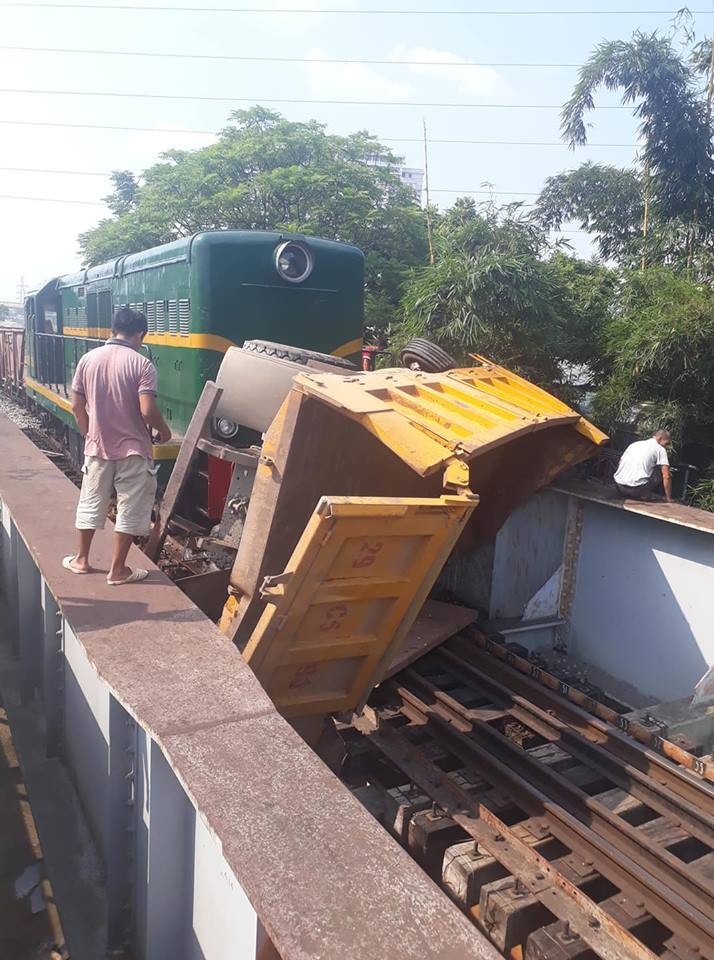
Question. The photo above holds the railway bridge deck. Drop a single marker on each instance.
(488, 807)
(215, 829)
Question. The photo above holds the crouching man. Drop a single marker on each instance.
(114, 404)
(640, 465)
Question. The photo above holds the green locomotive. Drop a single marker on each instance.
(201, 295)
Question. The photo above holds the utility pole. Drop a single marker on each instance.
(21, 289)
(710, 83)
(426, 187)
(645, 216)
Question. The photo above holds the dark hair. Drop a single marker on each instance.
(129, 322)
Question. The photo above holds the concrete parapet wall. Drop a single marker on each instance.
(212, 830)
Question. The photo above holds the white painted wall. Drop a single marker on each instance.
(644, 600)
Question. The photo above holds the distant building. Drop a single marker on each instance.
(12, 314)
(412, 177)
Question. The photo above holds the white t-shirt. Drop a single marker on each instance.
(638, 462)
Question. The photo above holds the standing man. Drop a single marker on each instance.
(114, 404)
(637, 472)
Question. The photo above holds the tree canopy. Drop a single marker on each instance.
(267, 173)
(498, 289)
(662, 211)
(607, 201)
(659, 342)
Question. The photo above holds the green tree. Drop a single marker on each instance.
(267, 173)
(495, 289)
(672, 189)
(659, 343)
(607, 201)
(124, 196)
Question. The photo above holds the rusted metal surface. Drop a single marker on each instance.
(579, 820)
(531, 869)
(678, 513)
(399, 434)
(571, 550)
(651, 735)
(324, 879)
(12, 359)
(197, 428)
(488, 757)
(593, 747)
(435, 624)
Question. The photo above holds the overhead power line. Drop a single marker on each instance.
(107, 173)
(99, 203)
(86, 203)
(215, 133)
(78, 173)
(299, 100)
(309, 60)
(355, 12)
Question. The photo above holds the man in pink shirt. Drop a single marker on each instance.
(114, 404)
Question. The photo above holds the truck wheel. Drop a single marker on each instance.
(420, 354)
(295, 354)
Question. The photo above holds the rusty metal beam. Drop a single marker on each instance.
(695, 818)
(197, 428)
(677, 900)
(554, 890)
(673, 761)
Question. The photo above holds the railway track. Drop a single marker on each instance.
(34, 428)
(559, 836)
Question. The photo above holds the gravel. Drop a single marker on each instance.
(19, 415)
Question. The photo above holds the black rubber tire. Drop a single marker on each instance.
(427, 356)
(296, 354)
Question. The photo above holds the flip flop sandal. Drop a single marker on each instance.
(67, 564)
(136, 576)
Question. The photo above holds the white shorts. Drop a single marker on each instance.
(133, 478)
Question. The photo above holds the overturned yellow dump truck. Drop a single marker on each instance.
(364, 485)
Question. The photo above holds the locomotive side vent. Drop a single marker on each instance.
(184, 313)
(151, 316)
(161, 316)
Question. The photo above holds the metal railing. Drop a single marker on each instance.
(56, 356)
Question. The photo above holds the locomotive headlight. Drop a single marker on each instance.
(226, 428)
(293, 261)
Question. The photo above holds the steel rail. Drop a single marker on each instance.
(669, 899)
(678, 779)
(696, 821)
(559, 895)
(691, 886)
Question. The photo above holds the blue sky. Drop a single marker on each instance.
(38, 239)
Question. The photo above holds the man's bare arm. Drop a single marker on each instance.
(667, 482)
(79, 409)
(152, 416)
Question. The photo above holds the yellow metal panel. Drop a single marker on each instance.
(349, 594)
(431, 420)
